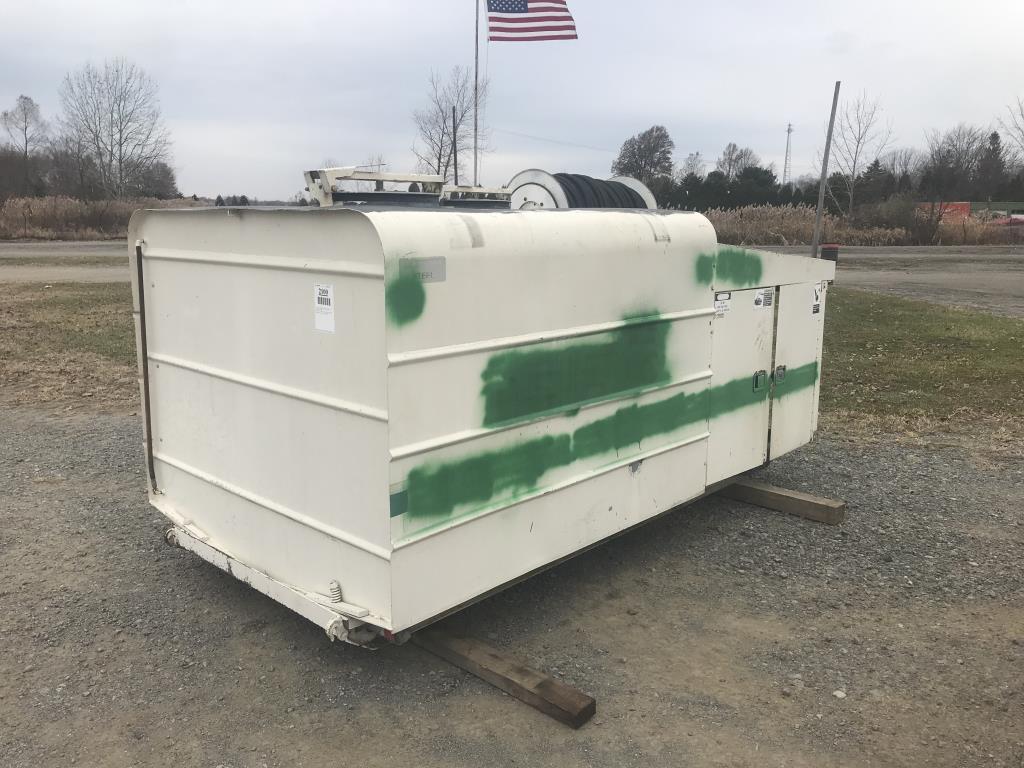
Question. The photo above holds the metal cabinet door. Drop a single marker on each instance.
(741, 359)
(795, 380)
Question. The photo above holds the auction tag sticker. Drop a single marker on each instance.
(723, 301)
(323, 307)
(819, 289)
(764, 297)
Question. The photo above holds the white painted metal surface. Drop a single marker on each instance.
(411, 408)
(742, 335)
(801, 319)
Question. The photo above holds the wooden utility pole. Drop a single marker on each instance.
(476, 96)
(816, 240)
(455, 144)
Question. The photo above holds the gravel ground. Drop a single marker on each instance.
(985, 277)
(56, 261)
(34, 250)
(720, 635)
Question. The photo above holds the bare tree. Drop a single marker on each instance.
(734, 160)
(953, 157)
(860, 138)
(693, 164)
(434, 149)
(1014, 127)
(905, 161)
(114, 114)
(960, 147)
(27, 130)
(374, 164)
(73, 172)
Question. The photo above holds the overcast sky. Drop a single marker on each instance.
(255, 92)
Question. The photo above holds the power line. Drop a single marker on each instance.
(555, 141)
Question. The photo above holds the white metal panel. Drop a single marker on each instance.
(299, 454)
(270, 435)
(506, 467)
(598, 287)
(279, 445)
(250, 311)
(798, 348)
(741, 347)
(445, 570)
(729, 266)
(457, 409)
(298, 555)
(520, 272)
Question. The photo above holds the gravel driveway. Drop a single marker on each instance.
(56, 261)
(720, 635)
(990, 278)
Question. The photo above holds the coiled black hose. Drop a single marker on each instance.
(587, 192)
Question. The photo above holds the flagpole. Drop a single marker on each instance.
(476, 94)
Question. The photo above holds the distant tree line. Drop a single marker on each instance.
(960, 164)
(108, 142)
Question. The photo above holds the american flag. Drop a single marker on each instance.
(526, 20)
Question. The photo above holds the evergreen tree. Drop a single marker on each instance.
(991, 174)
(876, 184)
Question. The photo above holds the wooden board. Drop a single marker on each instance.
(540, 691)
(830, 511)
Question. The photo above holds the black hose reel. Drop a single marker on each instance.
(539, 189)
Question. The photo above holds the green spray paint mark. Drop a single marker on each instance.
(630, 425)
(399, 503)
(434, 492)
(735, 266)
(729, 267)
(705, 269)
(405, 298)
(559, 377)
(797, 379)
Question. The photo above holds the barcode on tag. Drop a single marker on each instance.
(323, 307)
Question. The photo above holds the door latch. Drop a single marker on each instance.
(760, 380)
(780, 374)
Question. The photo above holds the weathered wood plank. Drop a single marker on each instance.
(829, 511)
(550, 696)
